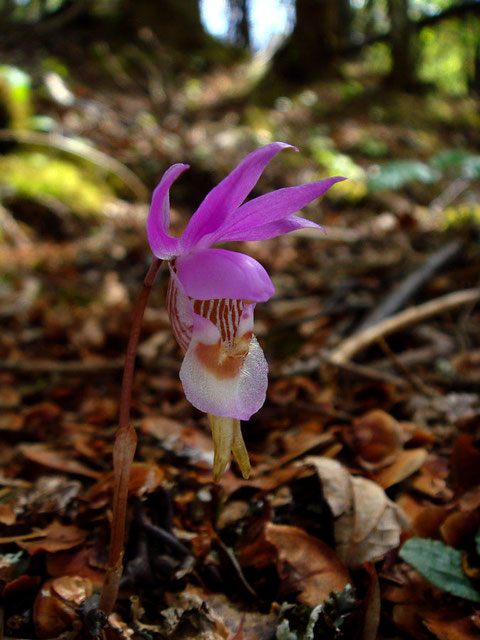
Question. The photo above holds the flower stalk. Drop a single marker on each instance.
(124, 451)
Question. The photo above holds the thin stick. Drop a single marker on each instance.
(347, 349)
(406, 289)
(124, 451)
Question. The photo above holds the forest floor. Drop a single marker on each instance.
(369, 436)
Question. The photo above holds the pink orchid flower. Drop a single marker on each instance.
(213, 292)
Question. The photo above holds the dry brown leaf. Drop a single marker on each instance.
(459, 528)
(376, 438)
(55, 607)
(427, 522)
(144, 478)
(60, 460)
(367, 523)
(451, 627)
(432, 478)
(253, 625)
(309, 564)
(373, 604)
(175, 435)
(55, 537)
(465, 463)
(7, 513)
(11, 421)
(406, 464)
(79, 563)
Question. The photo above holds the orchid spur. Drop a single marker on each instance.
(213, 292)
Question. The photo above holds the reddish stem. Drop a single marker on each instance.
(124, 451)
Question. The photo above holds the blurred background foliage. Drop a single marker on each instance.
(385, 92)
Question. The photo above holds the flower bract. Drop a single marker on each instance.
(213, 292)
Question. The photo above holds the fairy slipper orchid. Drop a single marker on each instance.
(213, 292)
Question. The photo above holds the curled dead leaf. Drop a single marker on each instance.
(376, 438)
(367, 523)
(55, 537)
(406, 464)
(307, 564)
(55, 606)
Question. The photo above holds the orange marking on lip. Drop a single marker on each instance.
(223, 362)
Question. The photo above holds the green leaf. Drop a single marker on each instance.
(441, 565)
(471, 167)
(449, 159)
(463, 162)
(396, 174)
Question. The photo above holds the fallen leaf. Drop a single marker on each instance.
(144, 478)
(372, 604)
(367, 523)
(11, 421)
(426, 523)
(451, 627)
(376, 438)
(406, 464)
(177, 437)
(310, 565)
(60, 460)
(432, 478)
(253, 625)
(7, 513)
(459, 528)
(80, 563)
(465, 463)
(55, 537)
(55, 606)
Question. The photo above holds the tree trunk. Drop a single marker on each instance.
(239, 25)
(403, 45)
(176, 23)
(321, 30)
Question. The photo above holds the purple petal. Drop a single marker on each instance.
(271, 208)
(162, 244)
(216, 387)
(227, 196)
(274, 229)
(217, 273)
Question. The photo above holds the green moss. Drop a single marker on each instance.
(36, 174)
(15, 95)
(463, 215)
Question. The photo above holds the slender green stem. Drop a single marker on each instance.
(124, 451)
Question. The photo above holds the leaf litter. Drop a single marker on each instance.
(350, 461)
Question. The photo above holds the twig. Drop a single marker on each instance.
(81, 150)
(43, 366)
(59, 366)
(10, 227)
(451, 193)
(402, 293)
(304, 367)
(437, 345)
(347, 349)
(124, 451)
(415, 381)
(370, 373)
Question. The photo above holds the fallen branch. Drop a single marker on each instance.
(347, 349)
(59, 366)
(404, 291)
(82, 150)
